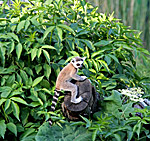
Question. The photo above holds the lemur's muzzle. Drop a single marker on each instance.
(79, 66)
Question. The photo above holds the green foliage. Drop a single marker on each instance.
(118, 121)
(37, 41)
(64, 133)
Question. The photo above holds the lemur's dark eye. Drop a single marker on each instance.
(72, 61)
(81, 59)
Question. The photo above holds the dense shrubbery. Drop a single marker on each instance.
(37, 41)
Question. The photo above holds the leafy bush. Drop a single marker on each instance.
(37, 41)
(118, 121)
(64, 133)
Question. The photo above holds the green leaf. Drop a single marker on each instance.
(7, 104)
(66, 133)
(2, 54)
(18, 99)
(20, 25)
(38, 68)
(88, 123)
(96, 65)
(74, 53)
(2, 101)
(14, 36)
(26, 133)
(97, 53)
(103, 43)
(94, 135)
(12, 46)
(46, 55)
(88, 43)
(43, 96)
(144, 51)
(34, 104)
(37, 80)
(46, 90)
(29, 71)
(12, 127)
(146, 118)
(5, 91)
(2, 128)
(24, 76)
(138, 129)
(115, 97)
(71, 44)
(27, 23)
(19, 79)
(114, 57)
(47, 70)
(67, 28)
(39, 52)
(48, 30)
(59, 32)
(83, 32)
(16, 110)
(117, 137)
(18, 50)
(11, 80)
(34, 21)
(48, 2)
(33, 53)
(40, 101)
(104, 64)
(48, 46)
(127, 109)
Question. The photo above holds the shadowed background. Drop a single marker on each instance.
(133, 13)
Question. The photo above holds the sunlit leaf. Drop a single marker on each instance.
(114, 58)
(46, 54)
(47, 31)
(102, 43)
(16, 110)
(20, 25)
(33, 53)
(67, 28)
(37, 80)
(18, 99)
(14, 36)
(74, 53)
(59, 32)
(12, 46)
(88, 43)
(2, 101)
(27, 23)
(2, 128)
(7, 104)
(19, 50)
(12, 127)
(39, 52)
(48, 46)
(47, 70)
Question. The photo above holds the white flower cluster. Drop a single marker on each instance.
(135, 94)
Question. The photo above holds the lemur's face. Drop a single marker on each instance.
(78, 62)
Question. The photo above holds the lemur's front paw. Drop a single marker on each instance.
(83, 77)
(78, 100)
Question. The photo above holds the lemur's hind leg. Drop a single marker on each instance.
(68, 86)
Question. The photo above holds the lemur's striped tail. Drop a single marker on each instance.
(54, 102)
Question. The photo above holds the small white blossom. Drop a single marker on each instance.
(136, 100)
(134, 94)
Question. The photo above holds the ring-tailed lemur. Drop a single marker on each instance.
(63, 81)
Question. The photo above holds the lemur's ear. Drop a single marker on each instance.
(73, 60)
(84, 58)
